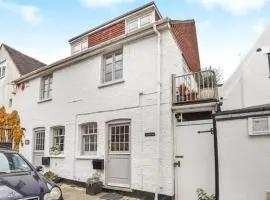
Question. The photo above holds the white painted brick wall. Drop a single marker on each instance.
(75, 91)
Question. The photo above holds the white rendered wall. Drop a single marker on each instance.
(11, 74)
(250, 83)
(76, 91)
(243, 162)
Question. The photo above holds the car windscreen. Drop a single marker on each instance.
(12, 163)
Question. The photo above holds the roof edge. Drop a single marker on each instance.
(152, 3)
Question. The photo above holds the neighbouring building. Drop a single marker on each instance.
(110, 102)
(13, 64)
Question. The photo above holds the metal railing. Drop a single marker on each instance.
(196, 86)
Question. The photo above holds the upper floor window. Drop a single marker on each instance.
(113, 66)
(80, 47)
(140, 21)
(2, 69)
(46, 87)
(89, 138)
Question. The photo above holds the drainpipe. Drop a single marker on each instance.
(158, 109)
(216, 157)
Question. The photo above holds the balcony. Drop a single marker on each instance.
(197, 87)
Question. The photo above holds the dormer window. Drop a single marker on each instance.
(140, 21)
(80, 46)
(2, 69)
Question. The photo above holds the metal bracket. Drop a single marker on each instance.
(209, 131)
(176, 164)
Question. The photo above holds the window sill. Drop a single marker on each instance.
(44, 100)
(88, 157)
(2, 77)
(111, 83)
(57, 156)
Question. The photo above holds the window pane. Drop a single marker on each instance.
(132, 25)
(108, 77)
(118, 74)
(108, 68)
(145, 20)
(122, 146)
(108, 60)
(126, 146)
(126, 129)
(118, 65)
(118, 56)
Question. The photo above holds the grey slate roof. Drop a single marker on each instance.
(24, 63)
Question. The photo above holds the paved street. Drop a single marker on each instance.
(78, 193)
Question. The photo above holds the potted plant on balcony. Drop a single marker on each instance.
(181, 92)
(207, 84)
(93, 184)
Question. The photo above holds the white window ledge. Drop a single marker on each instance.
(111, 83)
(57, 156)
(44, 100)
(88, 157)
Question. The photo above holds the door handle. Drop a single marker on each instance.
(176, 164)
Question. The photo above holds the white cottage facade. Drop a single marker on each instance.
(111, 102)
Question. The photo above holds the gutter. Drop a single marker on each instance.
(158, 108)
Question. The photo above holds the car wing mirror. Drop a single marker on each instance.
(39, 168)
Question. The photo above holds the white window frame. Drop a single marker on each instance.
(113, 55)
(138, 19)
(89, 130)
(80, 46)
(39, 139)
(46, 93)
(56, 135)
(119, 142)
(3, 69)
(250, 126)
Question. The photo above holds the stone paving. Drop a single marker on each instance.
(78, 193)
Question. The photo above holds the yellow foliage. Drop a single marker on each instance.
(10, 128)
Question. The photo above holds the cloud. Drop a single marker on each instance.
(103, 3)
(29, 13)
(238, 7)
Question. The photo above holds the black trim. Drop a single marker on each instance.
(269, 63)
(216, 158)
(134, 193)
(241, 117)
(260, 108)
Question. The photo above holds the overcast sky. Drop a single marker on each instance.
(226, 28)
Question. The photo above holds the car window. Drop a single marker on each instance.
(12, 162)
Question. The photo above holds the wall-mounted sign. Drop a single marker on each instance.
(27, 142)
(149, 134)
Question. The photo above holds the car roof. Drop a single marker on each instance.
(3, 150)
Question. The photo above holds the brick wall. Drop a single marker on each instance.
(107, 33)
(186, 37)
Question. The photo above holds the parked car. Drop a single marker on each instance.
(19, 180)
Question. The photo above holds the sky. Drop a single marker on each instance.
(226, 29)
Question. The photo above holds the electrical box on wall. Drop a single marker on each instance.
(98, 164)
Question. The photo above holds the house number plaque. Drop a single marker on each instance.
(150, 134)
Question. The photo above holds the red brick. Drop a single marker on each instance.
(107, 33)
(186, 37)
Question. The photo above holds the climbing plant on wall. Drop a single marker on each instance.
(10, 128)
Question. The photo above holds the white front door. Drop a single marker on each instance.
(118, 163)
(195, 152)
(39, 141)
